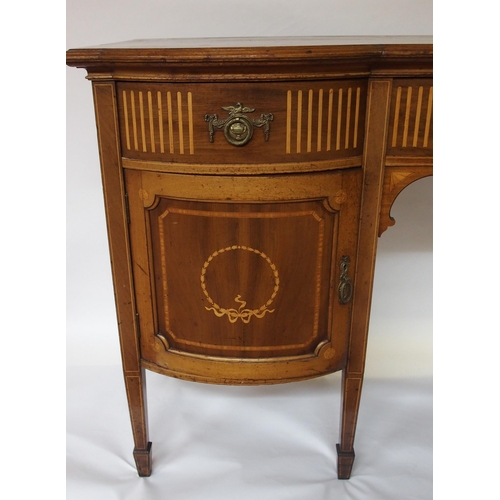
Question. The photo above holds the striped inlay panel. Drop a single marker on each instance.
(412, 117)
(322, 120)
(158, 121)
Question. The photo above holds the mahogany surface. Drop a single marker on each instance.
(245, 253)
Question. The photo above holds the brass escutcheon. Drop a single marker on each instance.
(345, 288)
(237, 127)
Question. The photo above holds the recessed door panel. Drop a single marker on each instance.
(242, 280)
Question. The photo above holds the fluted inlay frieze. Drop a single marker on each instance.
(411, 119)
(158, 121)
(323, 119)
(317, 120)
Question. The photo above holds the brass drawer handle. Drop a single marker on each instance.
(345, 284)
(238, 128)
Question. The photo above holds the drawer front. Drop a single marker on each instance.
(242, 123)
(410, 125)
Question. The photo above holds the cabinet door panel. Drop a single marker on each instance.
(242, 270)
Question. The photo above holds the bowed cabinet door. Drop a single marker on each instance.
(243, 279)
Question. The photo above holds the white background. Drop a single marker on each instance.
(401, 316)
(97, 434)
(219, 442)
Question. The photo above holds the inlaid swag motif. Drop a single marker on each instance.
(243, 313)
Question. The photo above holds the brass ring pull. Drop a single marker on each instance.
(345, 288)
(238, 128)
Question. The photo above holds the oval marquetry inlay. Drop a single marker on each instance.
(329, 353)
(340, 197)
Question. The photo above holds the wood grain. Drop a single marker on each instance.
(116, 218)
(227, 260)
(199, 246)
(301, 117)
(373, 171)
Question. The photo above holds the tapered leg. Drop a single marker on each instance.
(378, 105)
(136, 395)
(119, 244)
(351, 392)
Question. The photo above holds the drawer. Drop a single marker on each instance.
(242, 123)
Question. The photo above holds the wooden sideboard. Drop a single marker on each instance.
(246, 183)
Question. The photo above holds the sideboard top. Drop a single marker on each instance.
(165, 43)
(335, 45)
(159, 54)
